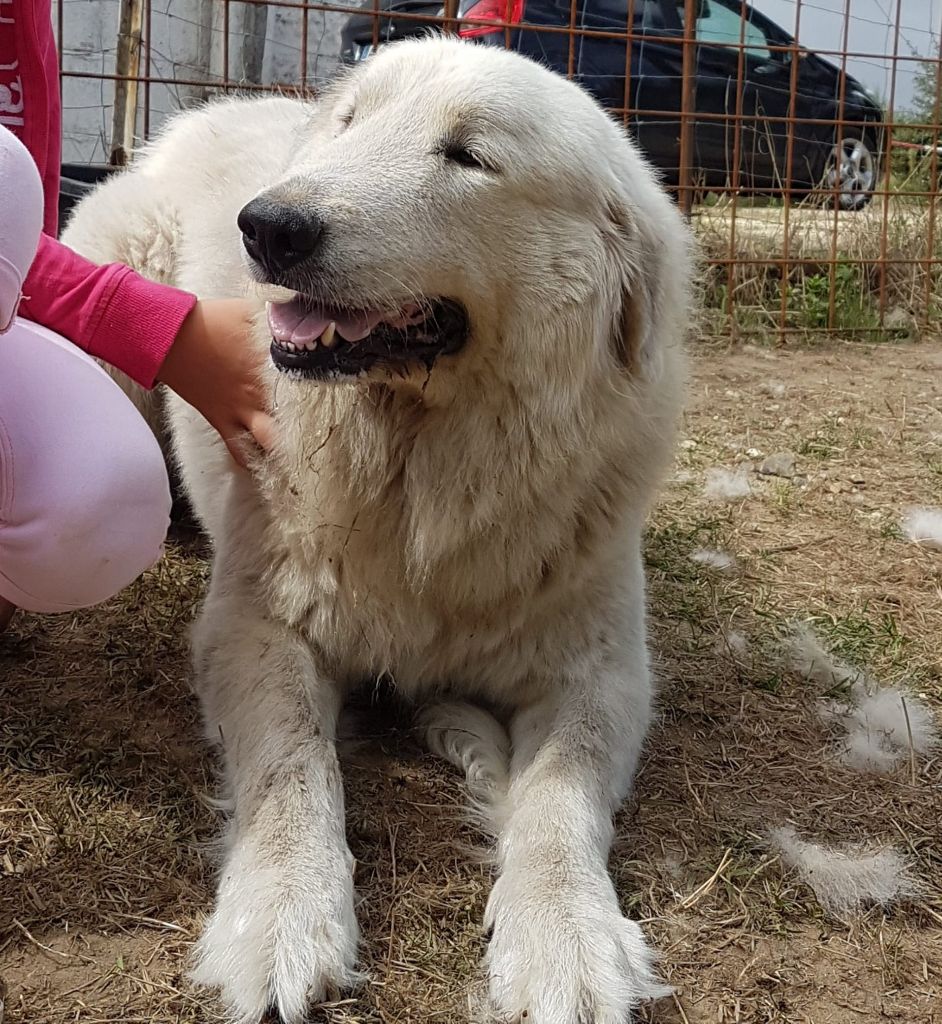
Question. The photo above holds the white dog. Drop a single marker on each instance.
(476, 371)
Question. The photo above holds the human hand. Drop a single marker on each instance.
(214, 367)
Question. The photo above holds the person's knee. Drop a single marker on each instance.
(100, 536)
(124, 525)
(84, 494)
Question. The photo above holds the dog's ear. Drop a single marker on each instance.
(639, 262)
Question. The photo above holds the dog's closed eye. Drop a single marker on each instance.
(463, 155)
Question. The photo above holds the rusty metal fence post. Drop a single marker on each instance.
(688, 108)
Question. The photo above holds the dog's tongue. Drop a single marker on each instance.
(301, 324)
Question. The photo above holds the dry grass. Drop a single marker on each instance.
(875, 273)
(105, 857)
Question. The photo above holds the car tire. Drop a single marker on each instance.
(852, 170)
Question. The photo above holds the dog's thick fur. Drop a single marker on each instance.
(472, 532)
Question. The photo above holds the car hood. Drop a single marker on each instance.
(855, 92)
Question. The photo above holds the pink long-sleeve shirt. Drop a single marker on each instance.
(111, 312)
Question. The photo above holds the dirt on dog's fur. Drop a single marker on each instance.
(105, 863)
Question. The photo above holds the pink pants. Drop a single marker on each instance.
(84, 495)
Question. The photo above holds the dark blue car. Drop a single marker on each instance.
(835, 127)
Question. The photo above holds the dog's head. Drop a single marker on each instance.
(461, 205)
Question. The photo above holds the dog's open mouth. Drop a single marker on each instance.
(315, 341)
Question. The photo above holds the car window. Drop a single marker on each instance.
(719, 26)
(648, 15)
(652, 15)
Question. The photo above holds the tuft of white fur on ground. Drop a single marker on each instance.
(924, 526)
(866, 752)
(713, 559)
(772, 388)
(846, 880)
(804, 655)
(726, 484)
(882, 725)
(737, 642)
(732, 645)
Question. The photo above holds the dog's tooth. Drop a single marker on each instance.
(329, 337)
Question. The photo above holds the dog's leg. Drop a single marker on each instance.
(283, 932)
(561, 952)
(474, 741)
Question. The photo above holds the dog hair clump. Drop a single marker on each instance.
(726, 485)
(805, 656)
(772, 388)
(924, 526)
(846, 880)
(713, 559)
(882, 725)
(732, 644)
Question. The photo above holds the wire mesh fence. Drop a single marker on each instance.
(802, 137)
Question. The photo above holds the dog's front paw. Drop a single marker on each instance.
(565, 955)
(282, 936)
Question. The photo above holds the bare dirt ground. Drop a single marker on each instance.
(105, 843)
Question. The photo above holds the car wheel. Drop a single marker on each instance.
(851, 172)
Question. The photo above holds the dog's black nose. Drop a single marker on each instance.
(278, 236)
